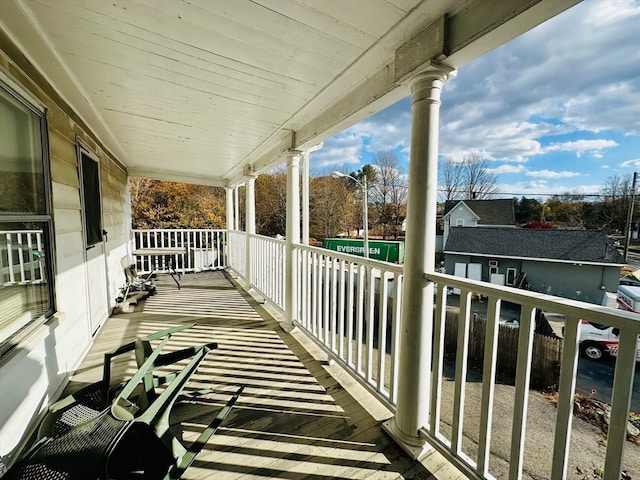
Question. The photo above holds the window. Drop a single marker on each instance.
(460, 222)
(91, 198)
(511, 276)
(26, 274)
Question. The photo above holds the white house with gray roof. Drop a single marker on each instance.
(477, 213)
(576, 264)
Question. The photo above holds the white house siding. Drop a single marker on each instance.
(34, 372)
(459, 212)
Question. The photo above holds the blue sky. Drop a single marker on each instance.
(556, 110)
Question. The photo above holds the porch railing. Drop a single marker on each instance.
(237, 247)
(350, 306)
(21, 257)
(267, 268)
(202, 249)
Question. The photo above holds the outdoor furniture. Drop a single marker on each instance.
(136, 287)
(168, 254)
(121, 432)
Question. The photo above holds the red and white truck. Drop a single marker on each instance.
(628, 298)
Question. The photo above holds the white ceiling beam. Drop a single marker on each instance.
(176, 177)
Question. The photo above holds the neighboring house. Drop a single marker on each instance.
(477, 213)
(575, 264)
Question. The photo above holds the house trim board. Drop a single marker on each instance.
(534, 259)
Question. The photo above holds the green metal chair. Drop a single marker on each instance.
(107, 432)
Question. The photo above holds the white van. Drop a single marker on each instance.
(598, 341)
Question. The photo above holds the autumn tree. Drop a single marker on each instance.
(159, 204)
(271, 203)
(565, 210)
(332, 207)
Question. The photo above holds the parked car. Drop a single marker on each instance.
(598, 341)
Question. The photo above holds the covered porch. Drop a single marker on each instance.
(217, 93)
(299, 416)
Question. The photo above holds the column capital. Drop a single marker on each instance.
(293, 155)
(435, 71)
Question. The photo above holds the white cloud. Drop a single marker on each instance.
(387, 130)
(535, 103)
(551, 174)
(594, 147)
(507, 168)
(338, 150)
(548, 82)
(631, 163)
(543, 189)
(611, 11)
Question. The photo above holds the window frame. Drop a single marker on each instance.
(89, 198)
(8, 89)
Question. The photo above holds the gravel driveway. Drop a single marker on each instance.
(587, 450)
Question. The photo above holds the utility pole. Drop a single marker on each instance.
(365, 211)
(630, 216)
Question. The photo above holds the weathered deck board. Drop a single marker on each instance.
(293, 420)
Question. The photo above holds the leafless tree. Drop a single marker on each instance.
(480, 182)
(616, 195)
(469, 178)
(388, 193)
(450, 173)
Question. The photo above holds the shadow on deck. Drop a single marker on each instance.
(293, 420)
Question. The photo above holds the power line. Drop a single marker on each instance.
(529, 194)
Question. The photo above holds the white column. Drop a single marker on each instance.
(230, 217)
(305, 197)
(230, 224)
(305, 192)
(236, 204)
(292, 238)
(417, 306)
(250, 223)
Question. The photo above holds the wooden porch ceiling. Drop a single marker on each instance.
(207, 91)
(293, 420)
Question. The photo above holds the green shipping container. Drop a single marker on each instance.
(378, 249)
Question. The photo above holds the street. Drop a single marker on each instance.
(598, 376)
(592, 375)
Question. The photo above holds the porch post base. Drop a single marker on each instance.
(288, 327)
(416, 447)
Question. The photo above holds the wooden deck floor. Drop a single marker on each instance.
(293, 420)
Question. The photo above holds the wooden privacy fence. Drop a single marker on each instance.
(547, 351)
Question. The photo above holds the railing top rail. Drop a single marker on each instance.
(14, 232)
(391, 267)
(264, 237)
(179, 230)
(576, 308)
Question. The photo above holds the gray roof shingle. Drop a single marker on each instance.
(491, 212)
(564, 245)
